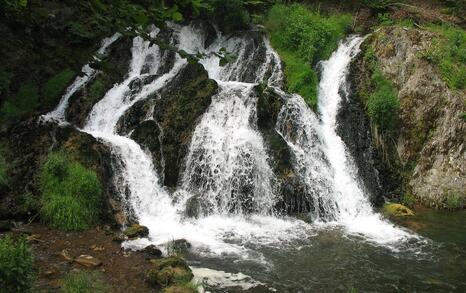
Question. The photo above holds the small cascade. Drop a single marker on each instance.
(227, 165)
(87, 73)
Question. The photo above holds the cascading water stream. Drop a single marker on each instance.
(322, 160)
(87, 73)
(227, 166)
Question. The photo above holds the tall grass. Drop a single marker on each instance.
(71, 194)
(16, 265)
(84, 282)
(303, 37)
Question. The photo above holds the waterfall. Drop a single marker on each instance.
(322, 160)
(227, 166)
(87, 73)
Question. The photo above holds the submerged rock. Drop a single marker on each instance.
(136, 231)
(397, 210)
(169, 271)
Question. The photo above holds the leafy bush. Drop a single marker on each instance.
(24, 103)
(302, 38)
(449, 54)
(84, 282)
(16, 265)
(55, 87)
(71, 194)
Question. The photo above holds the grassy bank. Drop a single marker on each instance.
(303, 37)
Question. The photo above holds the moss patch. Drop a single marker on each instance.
(397, 210)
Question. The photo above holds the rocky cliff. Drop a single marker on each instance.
(428, 146)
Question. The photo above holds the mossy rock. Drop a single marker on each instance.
(397, 210)
(136, 231)
(169, 271)
(179, 289)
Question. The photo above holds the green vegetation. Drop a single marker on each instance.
(55, 86)
(16, 265)
(408, 200)
(383, 104)
(71, 194)
(303, 37)
(454, 201)
(96, 91)
(24, 103)
(382, 101)
(448, 53)
(84, 282)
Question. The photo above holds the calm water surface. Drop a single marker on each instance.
(331, 261)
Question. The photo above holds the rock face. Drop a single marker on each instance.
(166, 132)
(112, 71)
(293, 196)
(29, 144)
(430, 144)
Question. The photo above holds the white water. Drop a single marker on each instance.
(227, 164)
(87, 73)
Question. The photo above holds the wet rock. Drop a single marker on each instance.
(6, 225)
(113, 70)
(193, 207)
(181, 245)
(152, 250)
(88, 261)
(185, 99)
(397, 210)
(353, 126)
(136, 231)
(169, 271)
(179, 289)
